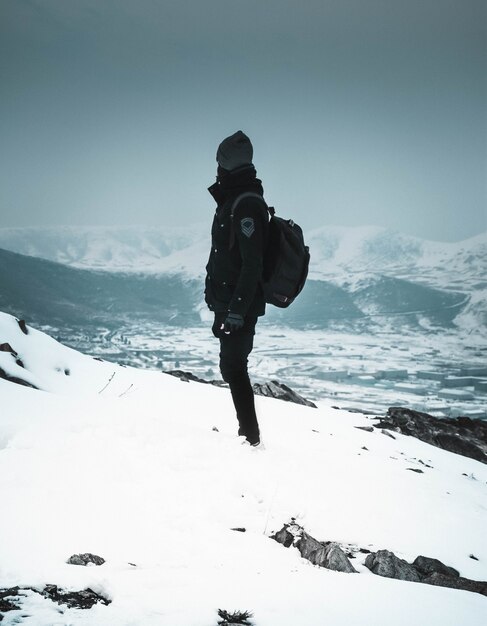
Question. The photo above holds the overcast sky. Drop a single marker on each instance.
(360, 111)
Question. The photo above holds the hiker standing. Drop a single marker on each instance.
(234, 271)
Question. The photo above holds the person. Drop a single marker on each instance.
(234, 270)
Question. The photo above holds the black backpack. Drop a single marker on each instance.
(286, 258)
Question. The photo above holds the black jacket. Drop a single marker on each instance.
(234, 269)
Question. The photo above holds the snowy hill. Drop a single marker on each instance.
(145, 471)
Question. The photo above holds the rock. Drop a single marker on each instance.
(386, 432)
(456, 582)
(6, 347)
(280, 391)
(324, 554)
(337, 560)
(185, 377)
(415, 469)
(16, 379)
(273, 389)
(426, 566)
(84, 599)
(85, 559)
(8, 605)
(460, 435)
(23, 326)
(368, 429)
(472, 556)
(284, 537)
(328, 554)
(387, 564)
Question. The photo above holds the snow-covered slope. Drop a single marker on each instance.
(146, 471)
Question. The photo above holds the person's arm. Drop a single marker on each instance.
(248, 225)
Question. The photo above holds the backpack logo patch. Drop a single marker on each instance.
(248, 227)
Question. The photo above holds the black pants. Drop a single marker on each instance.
(235, 348)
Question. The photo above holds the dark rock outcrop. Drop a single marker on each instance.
(15, 379)
(424, 569)
(275, 389)
(84, 599)
(6, 347)
(7, 603)
(85, 559)
(426, 566)
(284, 537)
(187, 377)
(23, 326)
(387, 564)
(456, 582)
(461, 435)
(272, 389)
(324, 554)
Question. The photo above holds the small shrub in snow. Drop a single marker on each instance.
(237, 617)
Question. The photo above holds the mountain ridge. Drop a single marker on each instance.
(335, 251)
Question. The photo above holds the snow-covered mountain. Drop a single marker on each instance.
(369, 270)
(352, 253)
(146, 471)
(114, 249)
(337, 253)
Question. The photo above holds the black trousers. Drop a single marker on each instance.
(235, 348)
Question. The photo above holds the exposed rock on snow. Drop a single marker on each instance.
(6, 347)
(424, 569)
(15, 379)
(454, 582)
(272, 389)
(275, 389)
(460, 435)
(385, 563)
(85, 559)
(426, 566)
(84, 599)
(23, 326)
(324, 554)
(8, 604)
(187, 377)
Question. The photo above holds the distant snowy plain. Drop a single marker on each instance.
(146, 471)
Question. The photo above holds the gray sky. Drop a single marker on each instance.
(360, 111)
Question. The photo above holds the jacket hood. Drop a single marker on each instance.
(233, 183)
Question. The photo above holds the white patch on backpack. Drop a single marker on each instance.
(248, 226)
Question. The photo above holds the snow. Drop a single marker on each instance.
(125, 463)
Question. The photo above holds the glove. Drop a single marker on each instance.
(233, 322)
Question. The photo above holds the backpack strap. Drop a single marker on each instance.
(247, 194)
